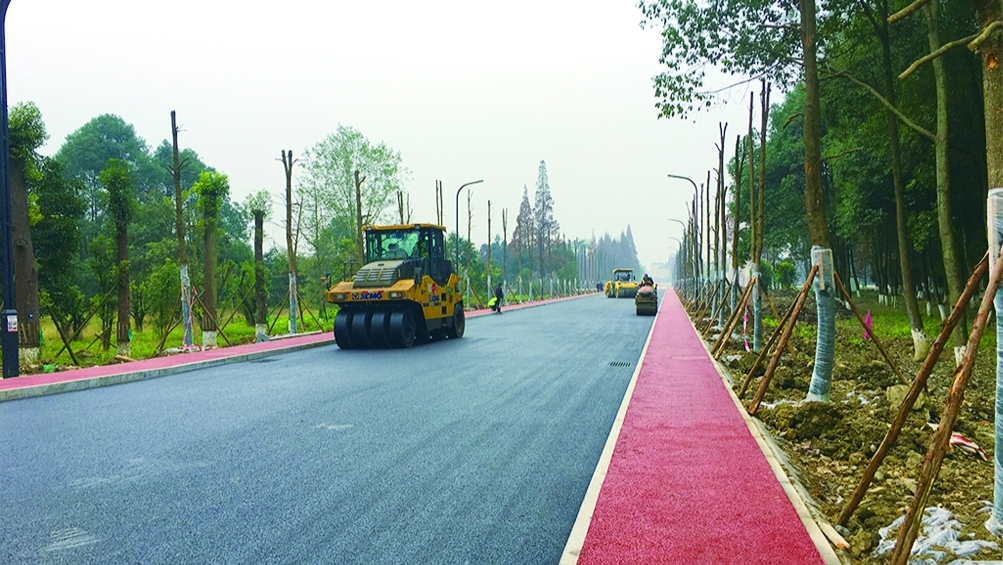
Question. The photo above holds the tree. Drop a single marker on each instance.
(86, 152)
(27, 134)
(329, 173)
(212, 189)
(525, 228)
(118, 182)
(543, 212)
(176, 167)
(287, 166)
(259, 205)
(57, 230)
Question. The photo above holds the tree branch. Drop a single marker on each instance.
(793, 117)
(907, 11)
(912, 125)
(983, 35)
(841, 153)
(931, 56)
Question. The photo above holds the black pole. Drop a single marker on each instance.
(8, 324)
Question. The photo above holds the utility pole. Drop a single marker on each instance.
(8, 335)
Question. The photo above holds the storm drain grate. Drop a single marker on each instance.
(265, 360)
(619, 363)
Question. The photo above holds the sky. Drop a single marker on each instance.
(463, 90)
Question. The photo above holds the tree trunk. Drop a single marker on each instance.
(25, 269)
(738, 221)
(504, 246)
(209, 284)
(358, 219)
(814, 196)
(757, 304)
(991, 51)
(122, 334)
(821, 379)
(489, 287)
(287, 165)
(261, 313)
(179, 227)
(952, 263)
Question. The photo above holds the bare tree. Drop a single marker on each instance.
(188, 341)
(287, 165)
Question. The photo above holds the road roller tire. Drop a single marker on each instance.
(403, 328)
(379, 329)
(361, 322)
(456, 329)
(343, 330)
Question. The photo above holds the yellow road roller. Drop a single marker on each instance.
(623, 285)
(405, 292)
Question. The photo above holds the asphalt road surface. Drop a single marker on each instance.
(476, 450)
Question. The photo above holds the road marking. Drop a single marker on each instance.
(333, 427)
(578, 532)
(68, 538)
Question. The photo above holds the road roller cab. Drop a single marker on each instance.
(405, 292)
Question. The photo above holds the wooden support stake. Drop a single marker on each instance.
(772, 367)
(277, 311)
(720, 305)
(218, 330)
(942, 437)
(90, 315)
(170, 327)
(776, 314)
(707, 303)
(237, 309)
(62, 336)
(307, 308)
(870, 332)
(918, 385)
(722, 340)
(773, 338)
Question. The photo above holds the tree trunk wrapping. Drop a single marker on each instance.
(292, 303)
(186, 308)
(825, 298)
(994, 211)
(757, 310)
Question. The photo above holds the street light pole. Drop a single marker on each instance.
(456, 255)
(8, 316)
(696, 219)
(680, 250)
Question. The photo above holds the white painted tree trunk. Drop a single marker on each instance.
(188, 341)
(292, 303)
(209, 339)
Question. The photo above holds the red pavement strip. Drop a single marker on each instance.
(92, 377)
(684, 478)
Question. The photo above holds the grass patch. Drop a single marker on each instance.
(144, 344)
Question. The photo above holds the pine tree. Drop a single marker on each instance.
(543, 210)
(522, 237)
